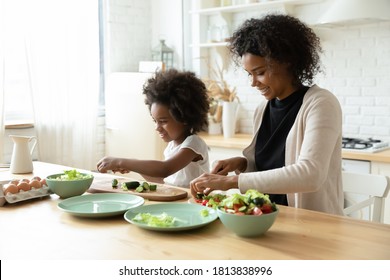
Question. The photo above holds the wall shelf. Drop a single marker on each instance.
(250, 6)
(210, 45)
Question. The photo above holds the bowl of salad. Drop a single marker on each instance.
(70, 183)
(248, 215)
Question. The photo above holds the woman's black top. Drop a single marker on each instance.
(279, 116)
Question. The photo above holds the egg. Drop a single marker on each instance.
(14, 182)
(36, 178)
(36, 184)
(43, 182)
(24, 180)
(10, 188)
(24, 186)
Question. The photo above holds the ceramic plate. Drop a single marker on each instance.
(100, 205)
(188, 215)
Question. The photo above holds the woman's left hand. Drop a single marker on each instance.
(206, 183)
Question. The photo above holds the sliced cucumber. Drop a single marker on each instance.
(132, 184)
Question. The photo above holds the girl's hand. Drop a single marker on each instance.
(110, 163)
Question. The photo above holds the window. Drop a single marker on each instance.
(17, 94)
(18, 108)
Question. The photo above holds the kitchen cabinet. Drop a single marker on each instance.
(212, 26)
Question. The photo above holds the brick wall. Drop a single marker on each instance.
(357, 65)
(128, 34)
(357, 61)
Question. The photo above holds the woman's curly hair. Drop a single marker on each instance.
(183, 93)
(280, 38)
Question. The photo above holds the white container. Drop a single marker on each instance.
(21, 161)
(229, 118)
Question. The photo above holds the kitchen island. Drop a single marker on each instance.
(38, 229)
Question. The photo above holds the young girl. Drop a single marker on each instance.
(178, 104)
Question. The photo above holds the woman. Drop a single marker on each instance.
(295, 154)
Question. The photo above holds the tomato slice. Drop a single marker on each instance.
(266, 208)
(236, 207)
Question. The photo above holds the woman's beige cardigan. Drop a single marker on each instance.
(311, 176)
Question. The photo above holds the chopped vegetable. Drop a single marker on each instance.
(204, 212)
(132, 184)
(114, 183)
(211, 201)
(70, 175)
(250, 203)
(124, 187)
(161, 220)
(138, 187)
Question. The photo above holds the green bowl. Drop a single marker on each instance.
(69, 188)
(247, 225)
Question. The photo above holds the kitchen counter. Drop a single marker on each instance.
(38, 230)
(241, 141)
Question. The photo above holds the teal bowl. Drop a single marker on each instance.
(247, 225)
(68, 188)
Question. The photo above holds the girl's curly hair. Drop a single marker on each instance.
(183, 93)
(280, 38)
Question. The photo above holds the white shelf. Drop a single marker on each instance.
(210, 45)
(203, 16)
(246, 7)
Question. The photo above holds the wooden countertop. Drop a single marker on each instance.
(241, 141)
(383, 156)
(38, 230)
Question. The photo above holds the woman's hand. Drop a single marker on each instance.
(223, 167)
(206, 183)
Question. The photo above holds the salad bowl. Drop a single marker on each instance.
(247, 225)
(248, 215)
(70, 183)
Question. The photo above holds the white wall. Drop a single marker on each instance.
(167, 24)
(357, 60)
(357, 63)
(134, 28)
(128, 34)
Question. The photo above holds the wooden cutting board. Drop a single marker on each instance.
(162, 193)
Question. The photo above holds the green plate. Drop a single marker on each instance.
(100, 205)
(188, 214)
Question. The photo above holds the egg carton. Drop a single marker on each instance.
(23, 195)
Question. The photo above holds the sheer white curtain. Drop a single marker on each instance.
(1, 82)
(63, 59)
